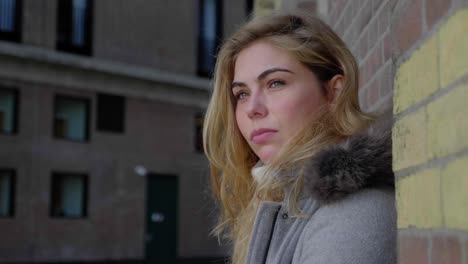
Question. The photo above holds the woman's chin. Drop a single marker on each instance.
(266, 154)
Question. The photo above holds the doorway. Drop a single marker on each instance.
(161, 218)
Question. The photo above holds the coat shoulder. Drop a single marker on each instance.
(367, 204)
(358, 229)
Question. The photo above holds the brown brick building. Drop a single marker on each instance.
(100, 104)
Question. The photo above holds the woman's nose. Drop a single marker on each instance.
(257, 106)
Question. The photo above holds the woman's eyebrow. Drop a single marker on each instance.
(261, 76)
(237, 84)
(264, 74)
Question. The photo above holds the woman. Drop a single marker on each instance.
(297, 171)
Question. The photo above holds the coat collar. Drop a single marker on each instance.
(360, 161)
(363, 160)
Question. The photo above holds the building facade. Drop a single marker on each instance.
(100, 116)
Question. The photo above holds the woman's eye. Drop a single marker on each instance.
(241, 95)
(276, 83)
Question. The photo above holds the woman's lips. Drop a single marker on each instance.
(262, 135)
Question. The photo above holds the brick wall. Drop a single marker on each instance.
(430, 144)
(365, 26)
(413, 60)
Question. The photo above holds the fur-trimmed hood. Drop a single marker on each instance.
(361, 161)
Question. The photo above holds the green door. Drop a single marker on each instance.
(161, 219)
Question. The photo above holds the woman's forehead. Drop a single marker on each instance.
(261, 56)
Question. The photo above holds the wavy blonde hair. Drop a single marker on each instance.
(315, 45)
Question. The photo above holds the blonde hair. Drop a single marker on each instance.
(315, 45)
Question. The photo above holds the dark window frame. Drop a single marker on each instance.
(249, 7)
(64, 28)
(200, 41)
(58, 174)
(198, 135)
(16, 95)
(101, 113)
(15, 35)
(12, 204)
(87, 102)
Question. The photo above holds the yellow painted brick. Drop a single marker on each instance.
(417, 77)
(453, 48)
(409, 140)
(266, 7)
(455, 194)
(448, 123)
(418, 200)
(278, 4)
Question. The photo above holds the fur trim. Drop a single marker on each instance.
(361, 161)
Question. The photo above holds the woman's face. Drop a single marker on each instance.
(275, 95)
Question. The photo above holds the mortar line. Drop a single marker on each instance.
(437, 94)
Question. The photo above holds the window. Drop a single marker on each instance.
(209, 34)
(10, 20)
(110, 113)
(74, 26)
(199, 133)
(71, 118)
(7, 192)
(8, 110)
(69, 193)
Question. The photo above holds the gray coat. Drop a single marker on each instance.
(348, 200)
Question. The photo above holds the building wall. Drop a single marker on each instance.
(39, 23)
(413, 69)
(151, 36)
(141, 32)
(144, 51)
(115, 226)
(235, 14)
(429, 139)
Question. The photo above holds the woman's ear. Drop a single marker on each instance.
(334, 87)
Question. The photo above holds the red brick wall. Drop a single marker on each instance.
(365, 27)
(380, 33)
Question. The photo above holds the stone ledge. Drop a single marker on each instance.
(44, 66)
